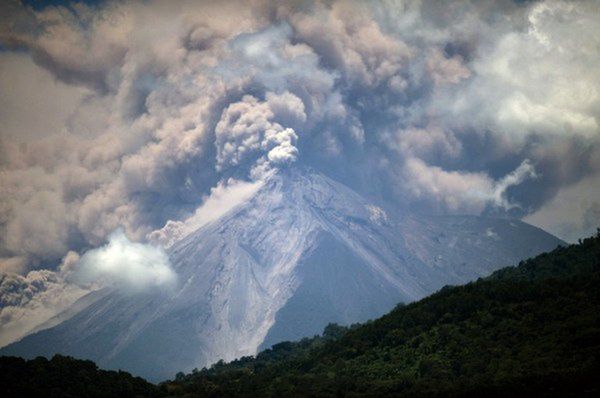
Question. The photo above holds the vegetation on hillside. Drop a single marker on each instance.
(531, 329)
(67, 377)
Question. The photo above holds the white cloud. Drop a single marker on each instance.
(538, 80)
(130, 266)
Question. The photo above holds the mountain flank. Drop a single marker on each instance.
(530, 330)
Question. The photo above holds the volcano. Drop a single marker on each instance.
(302, 252)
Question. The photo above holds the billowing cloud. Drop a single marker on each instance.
(127, 265)
(27, 301)
(351, 42)
(482, 107)
(249, 126)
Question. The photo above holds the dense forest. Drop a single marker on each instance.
(533, 330)
(67, 377)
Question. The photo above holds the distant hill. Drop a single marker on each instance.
(67, 377)
(529, 330)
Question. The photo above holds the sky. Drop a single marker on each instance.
(123, 122)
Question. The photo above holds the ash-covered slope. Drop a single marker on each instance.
(302, 252)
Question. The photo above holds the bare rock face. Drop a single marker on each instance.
(302, 252)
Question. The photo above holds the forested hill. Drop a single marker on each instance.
(530, 330)
(66, 377)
